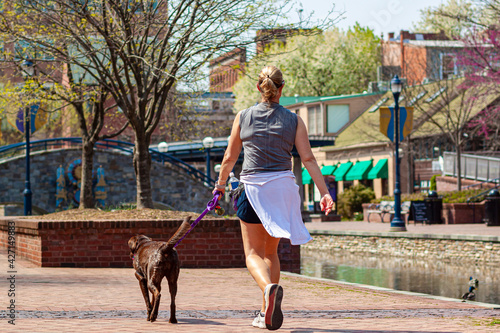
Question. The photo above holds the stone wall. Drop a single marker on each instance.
(169, 185)
(213, 243)
(465, 251)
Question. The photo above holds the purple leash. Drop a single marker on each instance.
(210, 206)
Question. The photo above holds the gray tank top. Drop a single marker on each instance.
(268, 134)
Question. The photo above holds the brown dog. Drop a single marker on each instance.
(153, 261)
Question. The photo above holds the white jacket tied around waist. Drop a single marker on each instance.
(275, 198)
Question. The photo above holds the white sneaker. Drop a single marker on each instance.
(259, 321)
(273, 317)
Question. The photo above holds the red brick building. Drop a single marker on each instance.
(225, 70)
(419, 57)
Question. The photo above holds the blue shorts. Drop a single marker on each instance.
(245, 210)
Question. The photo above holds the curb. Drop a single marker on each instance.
(402, 292)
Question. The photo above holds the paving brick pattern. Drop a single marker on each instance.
(221, 300)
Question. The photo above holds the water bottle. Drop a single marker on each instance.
(233, 181)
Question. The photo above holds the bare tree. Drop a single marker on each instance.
(137, 50)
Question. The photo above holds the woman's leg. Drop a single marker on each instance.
(261, 253)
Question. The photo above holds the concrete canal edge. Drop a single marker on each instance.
(402, 292)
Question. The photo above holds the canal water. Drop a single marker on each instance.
(429, 277)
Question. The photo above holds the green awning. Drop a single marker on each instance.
(381, 170)
(306, 177)
(328, 170)
(342, 171)
(359, 171)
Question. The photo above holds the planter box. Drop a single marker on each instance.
(214, 243)
(460, 213)
(453, 213)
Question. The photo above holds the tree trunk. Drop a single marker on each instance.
(459, 168)
(86, 196)
(142, 167)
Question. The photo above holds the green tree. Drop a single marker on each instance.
(335, 62)
(456, 17)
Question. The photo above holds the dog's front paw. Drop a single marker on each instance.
(172, 320)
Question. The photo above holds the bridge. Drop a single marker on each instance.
(173, 176)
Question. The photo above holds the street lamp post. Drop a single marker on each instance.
(208, 143)
(397, 223)
(163, 148)
(28, 70)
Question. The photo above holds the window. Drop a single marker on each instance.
(436, 94)
(337, 116)
(378, 105)
(416, 98)
(24, 49)
(315, 120)
(448, 66)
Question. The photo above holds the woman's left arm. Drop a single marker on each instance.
(307, 157)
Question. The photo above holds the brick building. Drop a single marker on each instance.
(419, 57)
(225, 70)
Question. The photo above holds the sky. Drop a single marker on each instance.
(381, 15)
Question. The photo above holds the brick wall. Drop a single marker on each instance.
(447, 183)
(213, 243)
(458, 213)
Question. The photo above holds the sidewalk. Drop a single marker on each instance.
(467, 230)
(222, 300)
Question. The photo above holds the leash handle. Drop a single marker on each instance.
(210, 206)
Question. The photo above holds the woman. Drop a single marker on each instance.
(269, 207)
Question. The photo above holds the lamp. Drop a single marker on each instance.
(163, 147)
(397, 224)
(208, 143)
(28, 71)
(396, 85)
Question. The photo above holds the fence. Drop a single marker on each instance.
(473, 166)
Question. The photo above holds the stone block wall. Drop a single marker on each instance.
(169, 185)
(463, 251)
(212, 243)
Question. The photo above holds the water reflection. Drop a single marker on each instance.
(429, 277)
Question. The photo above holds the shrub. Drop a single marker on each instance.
(433, 186)
(350, 201)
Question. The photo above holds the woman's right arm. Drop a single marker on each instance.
(231, 155)
(307, 157)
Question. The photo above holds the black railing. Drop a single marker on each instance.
(122, 146)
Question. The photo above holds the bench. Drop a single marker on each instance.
(386, 207)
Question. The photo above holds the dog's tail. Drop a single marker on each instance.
(181, 231)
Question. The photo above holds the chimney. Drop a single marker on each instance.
(391, 35)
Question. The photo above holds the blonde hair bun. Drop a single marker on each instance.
(270, 80)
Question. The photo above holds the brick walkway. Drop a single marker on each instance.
(221, 300)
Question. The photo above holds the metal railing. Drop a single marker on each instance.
(475, 167)
(121, 146)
